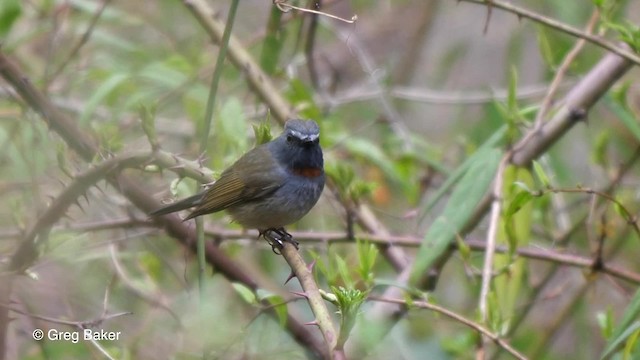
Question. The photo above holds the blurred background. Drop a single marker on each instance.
(404, 96)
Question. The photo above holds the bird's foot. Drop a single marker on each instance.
(276, 238)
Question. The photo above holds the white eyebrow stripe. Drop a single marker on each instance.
(300, 135)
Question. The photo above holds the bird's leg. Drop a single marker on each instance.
(286, 237)
(276, 238)
(275, 243)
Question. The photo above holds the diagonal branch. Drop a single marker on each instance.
(622, 51)
(83, 144)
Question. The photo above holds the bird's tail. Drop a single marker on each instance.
(183, 204)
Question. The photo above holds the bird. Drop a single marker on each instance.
(269, 187)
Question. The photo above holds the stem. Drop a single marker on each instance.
(204, 141)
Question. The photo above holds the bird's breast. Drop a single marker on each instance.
(307, 172)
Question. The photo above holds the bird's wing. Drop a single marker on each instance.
(254, 175)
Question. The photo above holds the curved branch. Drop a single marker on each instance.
(27, 251)
(457, 317)
(560, 26)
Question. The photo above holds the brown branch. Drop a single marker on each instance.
(83, 144)
(459, 318)
(560, 26)
(562, 70)
(304, 274)
(27, 252)
(262, 85)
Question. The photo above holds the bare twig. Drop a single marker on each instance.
(83, 40)
(304, 274)
(492, 234)
(560, 26)
(27, 251)
(459, 318)
(80, 325)
(560, 73)
(285, 7)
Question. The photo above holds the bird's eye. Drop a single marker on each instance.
(289, 138)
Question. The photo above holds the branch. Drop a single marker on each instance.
(459, 318)
(560, 26)
(304, 274)
(264, 88)
(576, 106)
(27, 252)
(83, 144)
(492, 234)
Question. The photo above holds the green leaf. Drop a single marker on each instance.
(632, 342)
(245, 293)
(373, 153)
(461, 206)
(521, 199)
(106, 88)
(232, 124)
(278, 304)
(343, 271)
(10, 11)
(599, 154)
(262, 132)
(618, 341)
(605, 321)
(461, 170)
(301, 97)
(349, 302)
(545, 47)
(367, 254)
(627, 326)
(625, 116)
(512, 93)
(147, 117)
(540, 173)
(514, 230)
(273, 41)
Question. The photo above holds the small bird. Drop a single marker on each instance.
(273, 185)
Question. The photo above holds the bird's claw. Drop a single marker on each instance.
(276, 238)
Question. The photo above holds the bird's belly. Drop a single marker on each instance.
(285, 206)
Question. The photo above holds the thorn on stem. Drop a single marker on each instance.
(291, 276)
(301, 294)
(311, 265)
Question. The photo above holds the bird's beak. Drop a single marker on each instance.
(310, 139)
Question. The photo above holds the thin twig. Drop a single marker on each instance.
(566, 62)
(457, 317)
(26, 253)
(492, 234)
(285, 7)
(204, 139)
(560, 26)
(83, 40)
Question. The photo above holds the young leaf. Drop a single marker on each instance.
(542, 176)
(627, 326)
(459, 209)
(245, 293)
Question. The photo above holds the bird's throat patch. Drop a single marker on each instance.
(308, 172)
